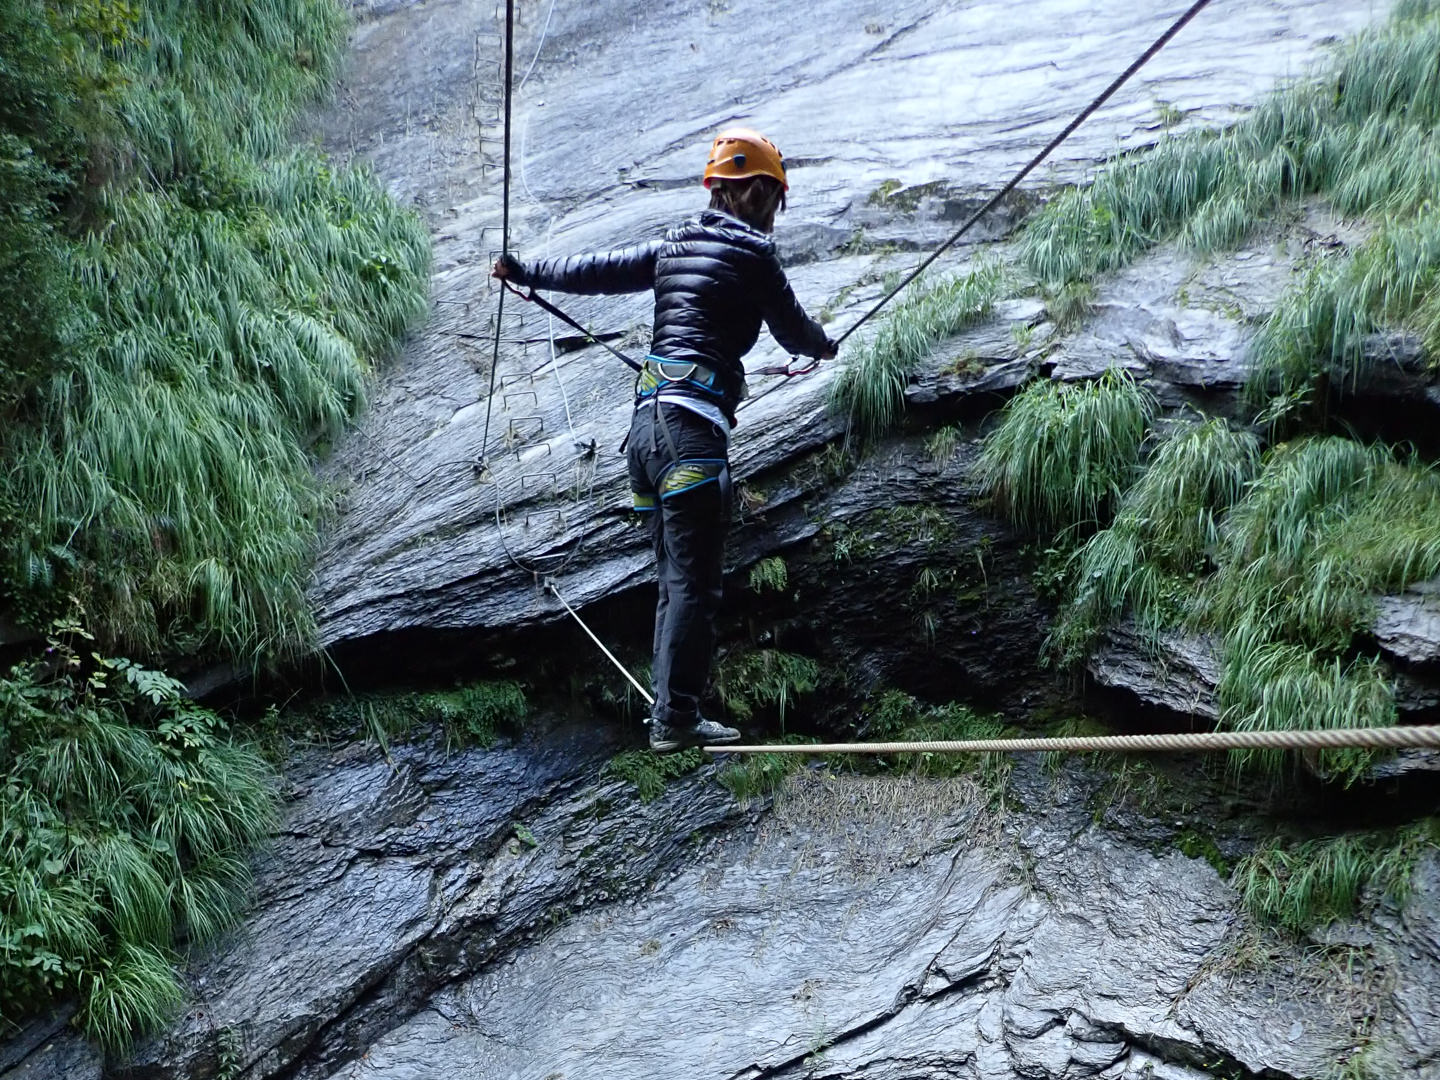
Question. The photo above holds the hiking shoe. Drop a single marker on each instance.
(665, 738)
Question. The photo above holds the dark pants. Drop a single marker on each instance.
(688, 485)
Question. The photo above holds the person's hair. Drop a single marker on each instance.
(753, 200)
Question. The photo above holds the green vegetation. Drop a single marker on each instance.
(201, 318)
(887, 530)
(1319, 881)
(870, 391)
(764, 679)
(1320, 327)
(475, 714)
(649, 772)
(940, 446)
(752, 776)
(188, 310)
(126, 816)
(1281, 554)
(1066, 451)
(1166, 527)
(1359, 134)
(894, 716)
(1328, 524)
(769, 575)
(1278, 555)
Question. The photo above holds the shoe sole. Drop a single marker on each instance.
(667, 746)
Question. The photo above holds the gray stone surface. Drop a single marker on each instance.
(613, 112)
(1408, 625)
(47, 1049)
(517, 912)
(1178, 672)
(857, 927)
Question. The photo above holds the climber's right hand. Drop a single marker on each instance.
(507, 267)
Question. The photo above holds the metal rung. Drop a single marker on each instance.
(553, 475)
(513, 432)
(531, 394)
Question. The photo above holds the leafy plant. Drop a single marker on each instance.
(894, 716)
(474, 714)
(769, 575)
(764, 678)
(1167, 527)
(126, 814)
(649, 772)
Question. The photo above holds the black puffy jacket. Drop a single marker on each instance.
(715, 278)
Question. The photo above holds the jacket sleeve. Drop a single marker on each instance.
(624, 270)
(795, 331)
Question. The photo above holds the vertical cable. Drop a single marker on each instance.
(504, 215)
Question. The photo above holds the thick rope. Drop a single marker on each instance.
(1330, 739)
(1084, 115)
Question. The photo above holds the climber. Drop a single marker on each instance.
(715, 276)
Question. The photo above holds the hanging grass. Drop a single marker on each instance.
(870, 390)
(1064, 452)
(1328, 524)
(1151, 559)
(161, 462)
(187, 314)
(169, 476)
(1321, 324)
(1360, 132)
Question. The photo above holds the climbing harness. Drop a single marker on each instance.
(1328, 739)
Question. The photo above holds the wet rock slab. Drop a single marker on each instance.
(424, 539)
(883, 929)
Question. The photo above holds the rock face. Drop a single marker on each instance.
(896, 119)
(518, 912)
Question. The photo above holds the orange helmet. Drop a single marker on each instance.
(738, 153)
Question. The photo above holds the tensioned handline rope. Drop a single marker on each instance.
(1084, 114)
(1328, 739)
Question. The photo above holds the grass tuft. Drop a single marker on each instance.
(1165, 531)
(649, 772)
(759, 776)
(870, 391)
(1317, 882)
(1064, 452)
